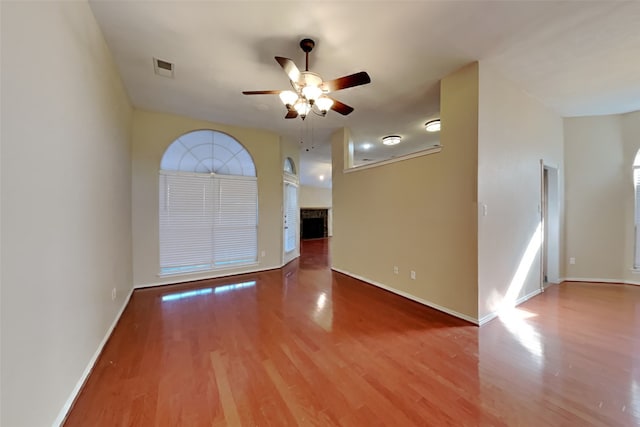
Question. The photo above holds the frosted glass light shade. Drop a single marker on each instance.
(311, 92)
(302, 107)
(288, 97)
(324, 103)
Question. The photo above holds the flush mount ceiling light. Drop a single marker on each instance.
(432, 126)
(310, 92)
(391, 140)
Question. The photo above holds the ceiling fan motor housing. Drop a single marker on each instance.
(311, 85)
(307, 45)
(308, 78)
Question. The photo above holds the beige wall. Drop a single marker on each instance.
(417, 214)
(600, 200)
(318, 197)
(595, 187)
(66, 204)
(315, 197)
(152, 134)
(515, 131)
(630, 125)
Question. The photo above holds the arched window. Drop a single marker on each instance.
(636, 184)
(208, 204)
(289, 166)
(208, 151)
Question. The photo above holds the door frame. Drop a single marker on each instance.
(550, 219)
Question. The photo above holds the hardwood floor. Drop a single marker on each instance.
(307, 346)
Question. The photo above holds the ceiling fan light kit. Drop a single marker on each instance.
(310, 92)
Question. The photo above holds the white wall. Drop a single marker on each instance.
(66, 204)
(515, 131)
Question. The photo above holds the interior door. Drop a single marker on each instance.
(291, 222)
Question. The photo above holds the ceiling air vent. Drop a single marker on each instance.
(163, 68)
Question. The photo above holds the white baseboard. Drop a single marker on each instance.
(488, 317)
(74, 394)
(409, 296)
(592, 279)
(600, 280)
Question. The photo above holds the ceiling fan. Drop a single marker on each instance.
(310, 92)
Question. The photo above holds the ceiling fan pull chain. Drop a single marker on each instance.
(312, 135)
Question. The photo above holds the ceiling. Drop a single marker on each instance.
(576, 57)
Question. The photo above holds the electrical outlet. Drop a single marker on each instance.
(395, 269)
(413, 275)
(262, 254)
(114, 294)
(572, 260)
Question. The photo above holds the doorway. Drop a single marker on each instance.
(314, 223)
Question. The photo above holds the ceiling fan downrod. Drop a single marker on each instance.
(307, 46)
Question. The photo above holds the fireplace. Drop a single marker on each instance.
(313, 223)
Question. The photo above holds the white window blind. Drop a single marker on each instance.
(291, 217)
(235, 221)
(207, 221)
(186, 227)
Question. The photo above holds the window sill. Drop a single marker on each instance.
(208, 271)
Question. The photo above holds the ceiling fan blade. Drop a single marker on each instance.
(289, 67)
(341, 108)
(261, 92)
(357, 79)
(291, 114)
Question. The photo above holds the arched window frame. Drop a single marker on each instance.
(208, 151)
(290, 166)
(208, 204)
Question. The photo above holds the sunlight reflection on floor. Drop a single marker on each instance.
(515, 320)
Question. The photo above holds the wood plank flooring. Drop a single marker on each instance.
(307, 346)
